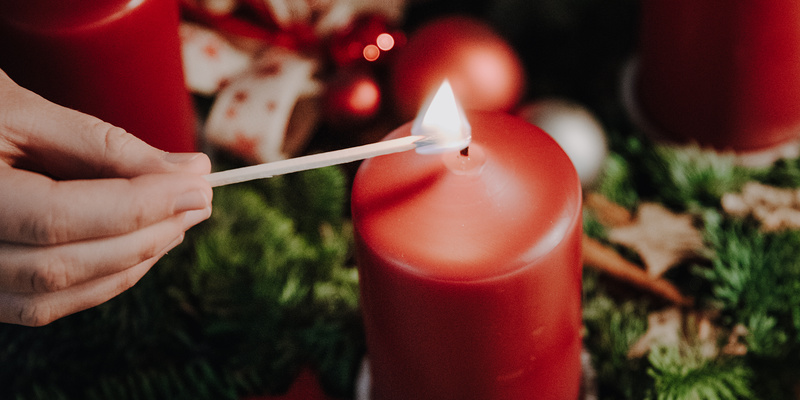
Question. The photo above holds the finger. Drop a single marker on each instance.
(37, 309)
(25, 268)
(41, 211)
(68, 144)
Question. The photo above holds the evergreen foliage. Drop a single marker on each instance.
(752, 279)
(755, 276)
(685, 374)
(612, 326)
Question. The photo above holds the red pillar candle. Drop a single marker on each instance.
(116, 59)
(470, 268)
(720, 73)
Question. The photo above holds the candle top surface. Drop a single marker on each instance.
(456, 218)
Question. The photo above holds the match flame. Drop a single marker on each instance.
(443, 123)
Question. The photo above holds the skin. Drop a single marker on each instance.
(86, 209)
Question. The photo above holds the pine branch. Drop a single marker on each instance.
(617, 183)
(611, 328)
(785, 173)
(694, 178)
(755, 278)
(681, 374)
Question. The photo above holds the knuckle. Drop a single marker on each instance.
(141, 213)
(37, 230)
(50, 276)
(115, 140)
(35, 313)
(42, 229)
(48, 225)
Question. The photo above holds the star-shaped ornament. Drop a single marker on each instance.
(663, 329)
(660, 237)
(697, 330)
(775, 208)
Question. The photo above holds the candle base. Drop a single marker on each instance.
(363, 389)
(755, 158)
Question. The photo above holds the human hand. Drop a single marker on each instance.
(85, 208)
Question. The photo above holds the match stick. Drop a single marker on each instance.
(271, 169)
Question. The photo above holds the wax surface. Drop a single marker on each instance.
(471, 278)
(116, 59)
(722, 74)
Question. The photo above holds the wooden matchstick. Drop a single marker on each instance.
(271, 169)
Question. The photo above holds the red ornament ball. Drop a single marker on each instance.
(484, 71)
(351, 98)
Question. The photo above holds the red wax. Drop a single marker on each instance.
(116, 59)
(470, 268)
(721, 73)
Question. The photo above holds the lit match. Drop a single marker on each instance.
(430, 134)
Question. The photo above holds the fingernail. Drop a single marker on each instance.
(194, 217)
(191, 200)
(180, 158)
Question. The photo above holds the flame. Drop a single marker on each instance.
(443, 123)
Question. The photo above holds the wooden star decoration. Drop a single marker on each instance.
(674, 327)
(660, 237)
(775, 208)
(663, 329)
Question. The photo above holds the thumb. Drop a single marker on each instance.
(68, 144)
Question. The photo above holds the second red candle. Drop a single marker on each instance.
(721, 74)
(118, 60)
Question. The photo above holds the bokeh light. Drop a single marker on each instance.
(385, 41)
(365, 97)
(371, 52)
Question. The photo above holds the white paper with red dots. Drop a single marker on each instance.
(250, 116)
(209, 60)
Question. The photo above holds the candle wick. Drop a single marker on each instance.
(465, 151)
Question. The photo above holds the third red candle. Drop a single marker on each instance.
(721, 74)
